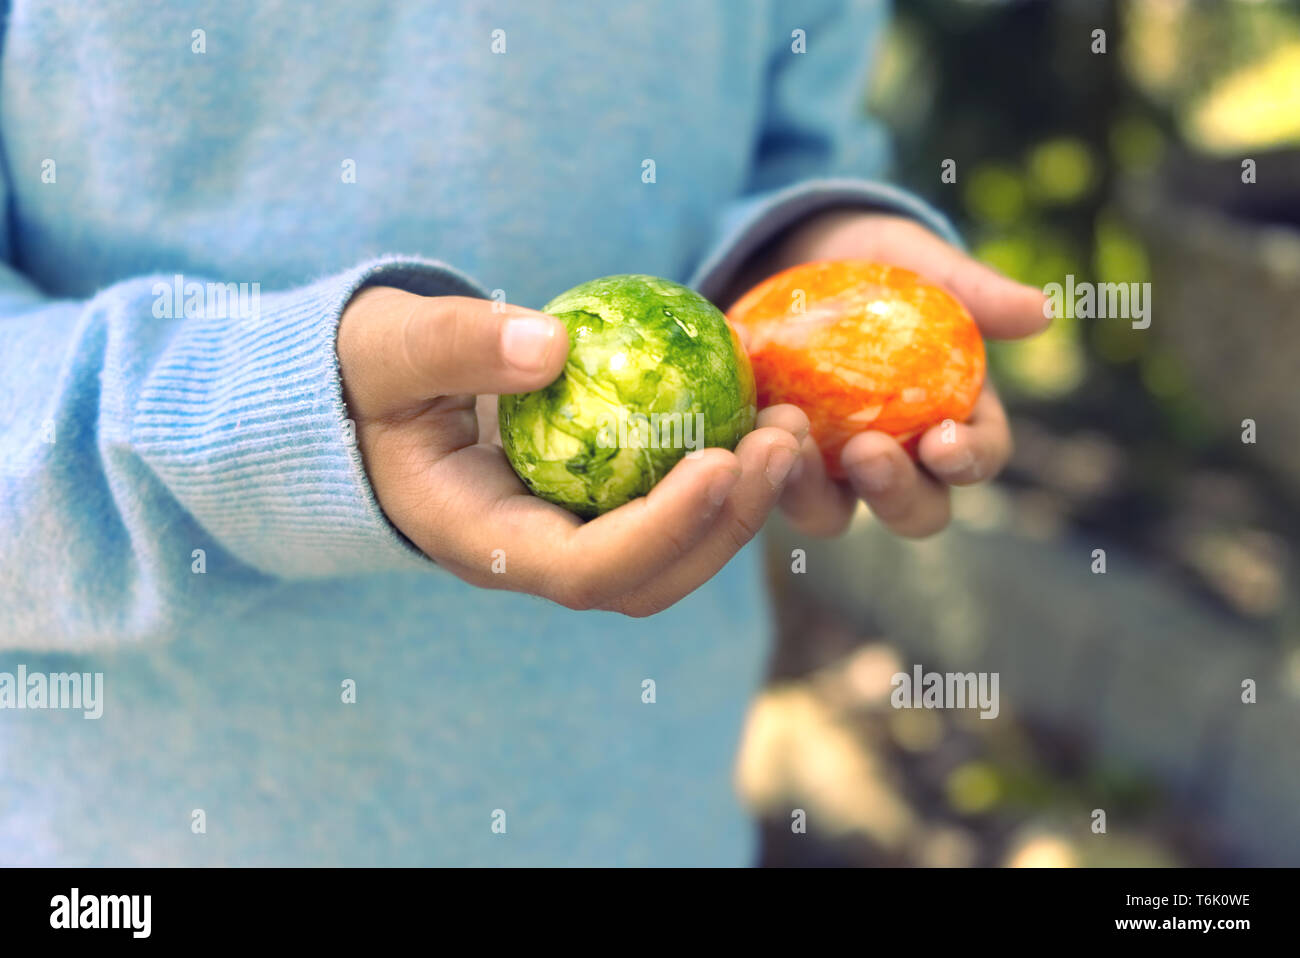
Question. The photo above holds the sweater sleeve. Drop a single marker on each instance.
(817, 149)
(165, 456)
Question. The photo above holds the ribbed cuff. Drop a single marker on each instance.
(775, 213)
(243, 420)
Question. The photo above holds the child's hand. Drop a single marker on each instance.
(908, 499)
(420, 377)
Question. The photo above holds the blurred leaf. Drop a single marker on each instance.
(1118, 256)
(1257, 107)
(973, 788)
(1032, 253)
(1061, 170)
(1049, 366)
(1187, 420)
(995, 194)
(1226, 70)
(1151, 47)
(1163, 374)
(1136, 143)
(903, 80)
(1116, 341)
(1010, 254)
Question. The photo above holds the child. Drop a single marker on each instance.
(252, 256)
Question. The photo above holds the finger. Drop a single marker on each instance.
(905, 500)
(791, 419)
(645, 538)
(966, 453)
(814, 503)
(484, 526)
(1001, 307)
(397, 349)
(784, 416)
(766, 457)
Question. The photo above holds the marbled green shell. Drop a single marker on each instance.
(638, 345)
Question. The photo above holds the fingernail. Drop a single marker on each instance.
(721, 485)
(780, 460)
(873, 475)
(527, 341)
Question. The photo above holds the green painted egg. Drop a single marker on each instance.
(654, 373)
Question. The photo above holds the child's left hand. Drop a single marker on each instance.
(908, 497)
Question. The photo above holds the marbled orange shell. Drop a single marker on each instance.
(874, 347)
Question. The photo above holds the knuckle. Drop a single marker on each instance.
(453, 331)
(903, 226)
(741, 530)
(677, 544)
(891, 508)
(413, 332)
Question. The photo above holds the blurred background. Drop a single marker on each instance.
(1119, 691)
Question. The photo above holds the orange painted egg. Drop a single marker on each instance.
(861, 346)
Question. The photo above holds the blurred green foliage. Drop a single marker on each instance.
(1046, 136)
(1038, 162)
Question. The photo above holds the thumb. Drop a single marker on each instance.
(397, 349)
(1000, 306)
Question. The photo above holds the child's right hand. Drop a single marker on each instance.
(420, 378)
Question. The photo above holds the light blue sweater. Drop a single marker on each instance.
(181, 507)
